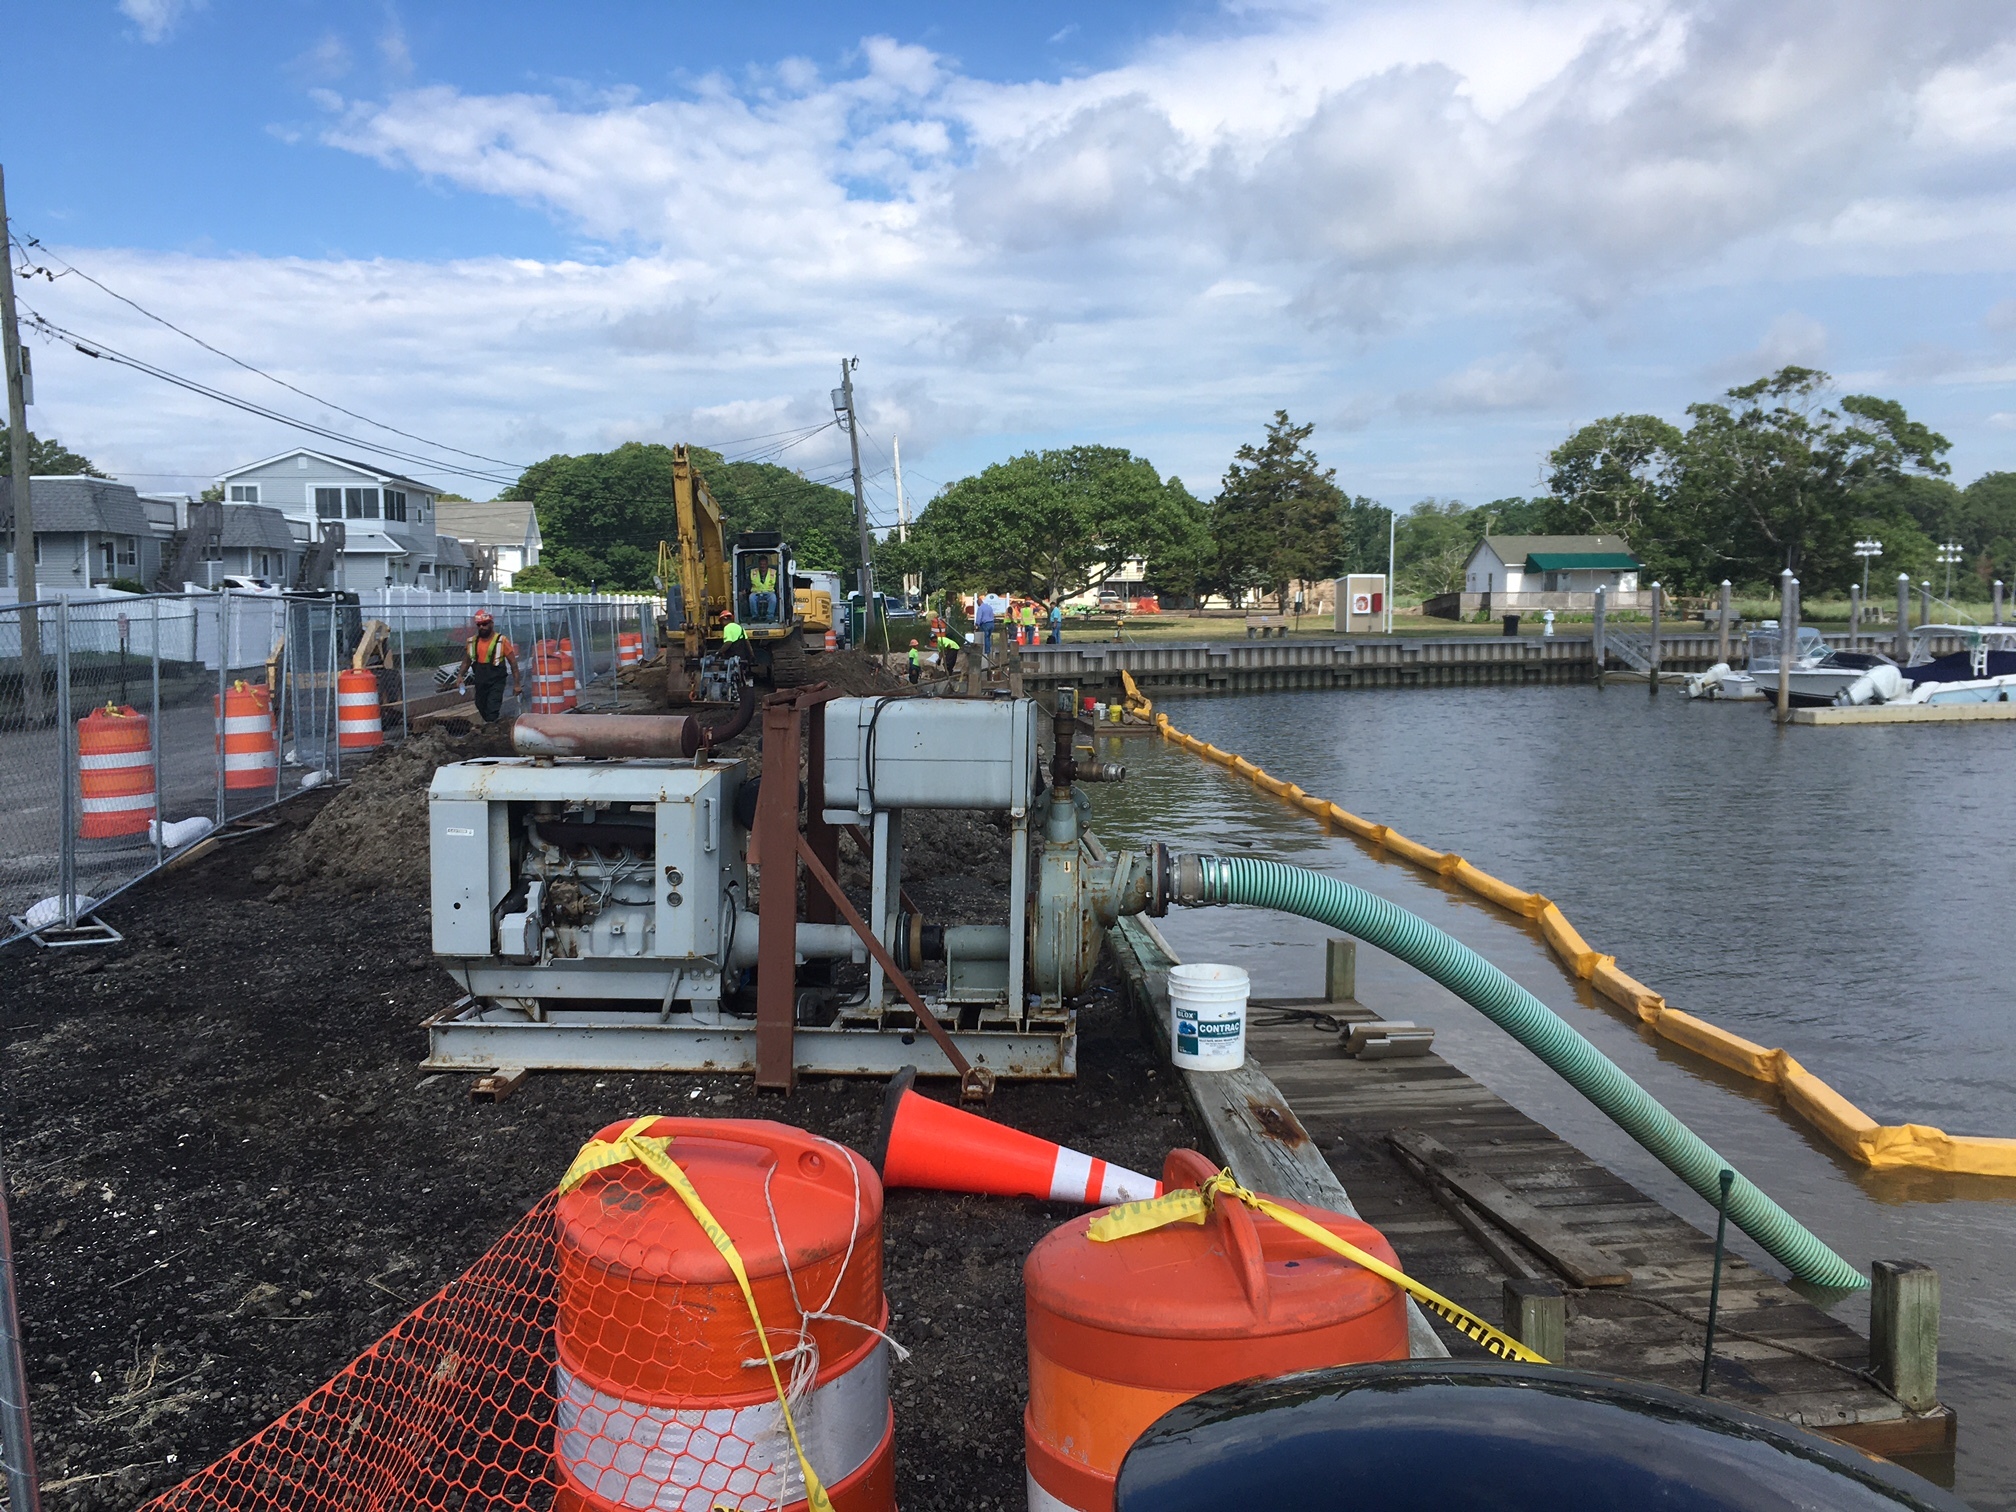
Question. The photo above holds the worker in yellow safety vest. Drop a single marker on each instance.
(487, 659)
(763, 590)
(916, 663)
(948, 651)
(734, 639)
(1027, 615)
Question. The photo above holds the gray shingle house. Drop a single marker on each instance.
(88, 531)
(388, 520)
(508, 526)
(258, 543)
(451, 563)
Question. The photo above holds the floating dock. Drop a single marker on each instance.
(1473, 1194)
(1879, 714)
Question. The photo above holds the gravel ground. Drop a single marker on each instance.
(229, 1175)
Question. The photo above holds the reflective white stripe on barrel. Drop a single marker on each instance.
(119, 805)
(142, 758)
(697, 1459)
(248, 724)
(1083, 1178)
(245, 761)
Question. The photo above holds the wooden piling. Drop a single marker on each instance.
(1785, 643)
(1536, 1314)
(1854, 616)
(1598, 649)
(1658, 603)
(1722, 627)
(1340, 969)
(1903, 617)
(1904, 1331)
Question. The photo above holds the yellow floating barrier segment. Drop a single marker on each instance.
(1882, 1147)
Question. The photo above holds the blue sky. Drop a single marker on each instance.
(1444, 231)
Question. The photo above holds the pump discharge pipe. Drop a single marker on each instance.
(1196, 881)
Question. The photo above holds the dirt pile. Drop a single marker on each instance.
(373, 834)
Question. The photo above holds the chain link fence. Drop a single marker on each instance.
(116, 716)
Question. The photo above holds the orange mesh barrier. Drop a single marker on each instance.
(451, 1409)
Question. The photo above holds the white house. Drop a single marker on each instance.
(388, 520)
(510, 527)
(1510, 574)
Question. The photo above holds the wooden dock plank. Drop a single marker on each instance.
(1775, 1352)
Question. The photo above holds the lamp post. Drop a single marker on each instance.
(1950, 554)
(1866, 550)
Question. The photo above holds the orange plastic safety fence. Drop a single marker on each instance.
(453, 1409)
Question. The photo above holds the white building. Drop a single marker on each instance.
(1511, 574)
(388, 520)
(510, 527)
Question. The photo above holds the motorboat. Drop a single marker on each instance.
(1983, 670)
(1819, 673)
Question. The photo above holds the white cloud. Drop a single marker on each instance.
(1436, 201)
(156, 19)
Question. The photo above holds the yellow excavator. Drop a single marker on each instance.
(702, 578)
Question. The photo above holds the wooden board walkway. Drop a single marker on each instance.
(1869, 714)
(1775, 1352)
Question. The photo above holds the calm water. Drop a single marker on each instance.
(1846, 894)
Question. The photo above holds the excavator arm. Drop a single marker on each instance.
(698, 563)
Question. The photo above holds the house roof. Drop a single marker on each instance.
(259, 526)
(302, 451)
(1581, 561)
(80, 504)
(361, 540)
(448, 552)
(499, 522)
(1516, 550)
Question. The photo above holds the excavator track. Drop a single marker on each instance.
(790, 667)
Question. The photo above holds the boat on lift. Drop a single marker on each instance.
(1983, 670)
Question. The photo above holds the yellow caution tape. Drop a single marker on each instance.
(1880, 1146)
(1190, 1204)
(649, 1152)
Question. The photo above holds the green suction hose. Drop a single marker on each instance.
(1297, 890)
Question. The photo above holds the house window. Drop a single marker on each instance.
(395, 504)
(329, 503)
(244, 493)
(360, 503)
(105, 558)
(129, 551)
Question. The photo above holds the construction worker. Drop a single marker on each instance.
(916, 663)
(1027, 615)
(763, 590)
(983, 621)
(948, 651)
(487, 659)
(734, 639)
(1057, 623)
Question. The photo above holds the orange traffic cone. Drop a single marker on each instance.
(929, 1144)
(832, 641)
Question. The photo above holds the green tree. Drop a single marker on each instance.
(1619, 476)
(1052, 523)
(1780, 471)
(602, 514)
(1278, 514)
(1362, 527)
(1987, 525)
(47, 458)
(1432, 543)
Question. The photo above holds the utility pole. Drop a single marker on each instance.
(19, 469)
(843, 407)
(902, 505)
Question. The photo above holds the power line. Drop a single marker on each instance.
(106, 353)
(250, 368)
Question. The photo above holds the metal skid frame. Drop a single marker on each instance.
(480, 1033)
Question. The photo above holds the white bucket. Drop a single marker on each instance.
(1207, 1010)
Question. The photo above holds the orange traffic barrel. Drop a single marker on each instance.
(115, 773)
(664, 1397)
(549, 681)
(832, 640)
(246, 735)
(629, 648)
(1121, 1332)
(359, 724)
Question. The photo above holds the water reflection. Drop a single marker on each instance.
(1840, 892)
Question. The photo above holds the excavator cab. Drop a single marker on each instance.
(766, 607)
